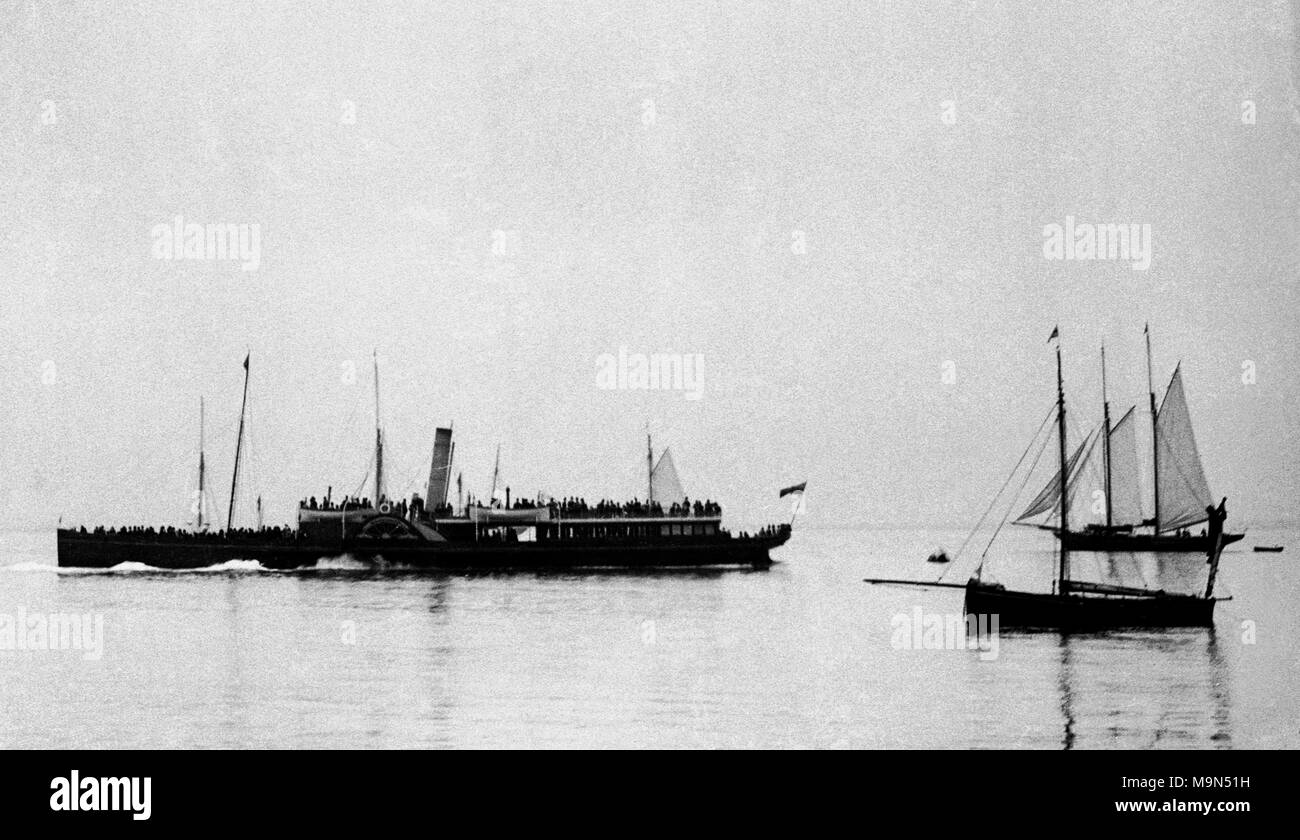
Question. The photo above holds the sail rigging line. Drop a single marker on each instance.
(1041, 449)
(361, 485)
(347, 428)
(1085, 463)
(1155, 438)
(1001, 490)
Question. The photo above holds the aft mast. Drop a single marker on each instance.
(379, 440)
(649, 469)
(199, 522)
(1105, 411)
(1155, 435)
(1064, 571)
(239, 445)
(496, 471)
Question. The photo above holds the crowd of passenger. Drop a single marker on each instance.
(347, 502)
(568, 507)
(577, 507)
(169, 532)
(764, 532)
(401, 508)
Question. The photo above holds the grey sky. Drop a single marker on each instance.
(651, 168)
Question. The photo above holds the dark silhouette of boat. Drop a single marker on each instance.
(1180, 492)
(1085, 606)
(1072, 603)
(1099, 538)
(665, 530)
(1081, 604)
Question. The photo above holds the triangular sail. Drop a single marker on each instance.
(1050, 496)
(665, 484)
(1125, 491)
(1183, 491)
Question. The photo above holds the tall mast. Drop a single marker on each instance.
(239, 445)
(649, 468)
(379, 439)
(496, 470)
(1105, 410)
(1155, 434)
(1064, 572)
(451, 457)
(199, 523)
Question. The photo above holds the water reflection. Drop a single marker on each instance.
(1143, 689)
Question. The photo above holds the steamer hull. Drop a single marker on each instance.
(98, 551)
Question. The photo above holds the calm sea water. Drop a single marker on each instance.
(801, 655)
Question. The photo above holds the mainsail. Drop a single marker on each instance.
(1088, 482)
(1125, 492)
(664, 483)
(1049, 497)
(1183, 494)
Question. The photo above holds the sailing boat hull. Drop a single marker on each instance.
(1095, 611)
(1125, 542)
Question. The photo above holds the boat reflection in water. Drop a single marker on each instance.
(1140, 689)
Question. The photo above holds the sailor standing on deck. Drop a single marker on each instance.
(1215, 517)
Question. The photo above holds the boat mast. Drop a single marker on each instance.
(451, 457)
(1105, 410)
(379, 440)
(496, 470)
(1064, 571)
(649, 469)
(239, 445)
(1155, 435)
(199, 523)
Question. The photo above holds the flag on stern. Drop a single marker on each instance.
(793, 488)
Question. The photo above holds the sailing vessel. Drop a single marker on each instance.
(664, 530)
(1181, 494)
(1075, 603)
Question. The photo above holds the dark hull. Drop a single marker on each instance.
(101, 552)
(1119, 542)
(1031, 609)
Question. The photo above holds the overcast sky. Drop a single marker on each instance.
(827, 202)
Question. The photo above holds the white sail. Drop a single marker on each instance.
(664, 483)
(1125, 490)
(1183, 491)
(1049, 498)
(1087, 487)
